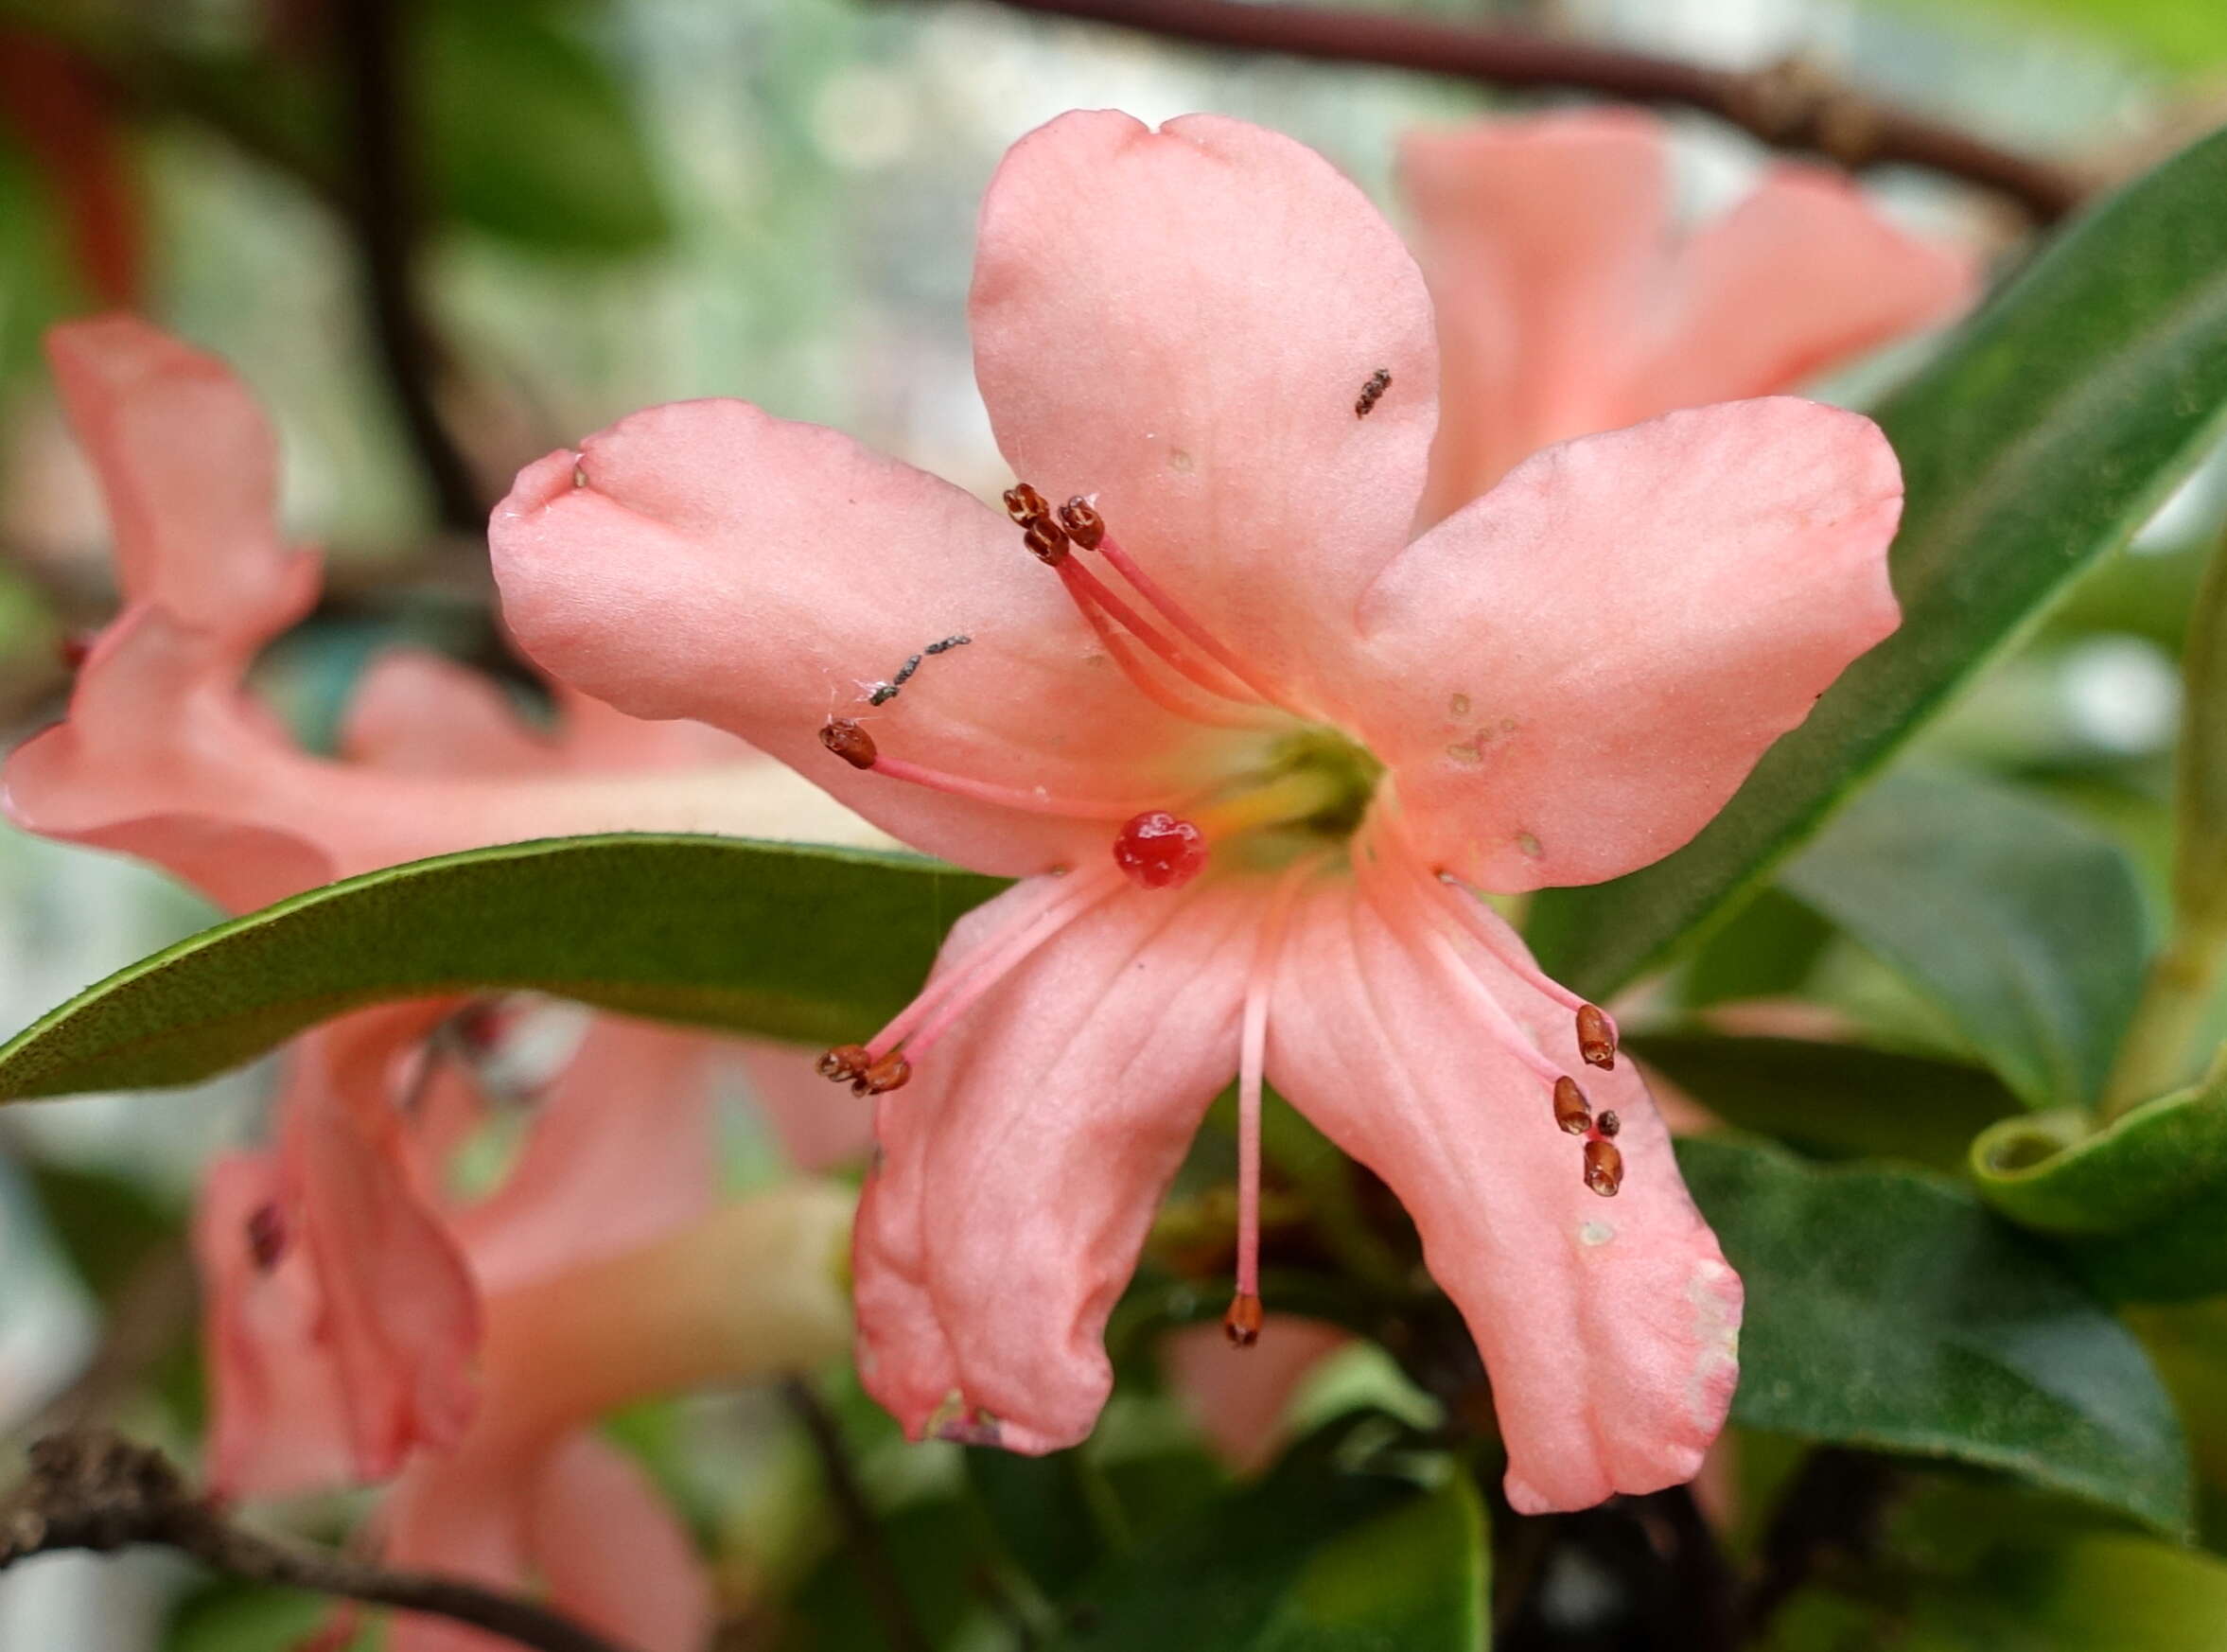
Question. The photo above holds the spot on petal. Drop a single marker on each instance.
(1180, 461)
(1458, 704)
(1594, 1233)
(1529, 846)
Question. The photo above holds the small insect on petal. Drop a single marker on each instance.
(887, 1074)
(1160, 851)
(1241, 1324)
(845, 1063)
(1604, 1167)
(1596, 1037)
(1083, 523)
(267, 1237)
(851, 742)
(1379, 381)
(1610, 1124)
(1570, 1109)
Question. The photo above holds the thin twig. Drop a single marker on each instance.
(97, 1491)
(862, 1532)
(1792, 105)
(370, 43)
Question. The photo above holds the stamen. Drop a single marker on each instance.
(1032, 801)
(1610, 1124)
(1243, 1319)
(848, 740)
(1160, 851)
(995, 962)
(1052, 893)
(267, 1237)
(1571, 1110)
(1083, 586)
(1604, 1167)
(845, 1063)
(1174, 613)
(1596, 1036)
(889, 1073)
(1167, 697)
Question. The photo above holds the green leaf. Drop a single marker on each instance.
(1835, 1100)
(785, 940)
(2141, 1207)
(2199, 843)
(1319, 1557)
(1044, 1511)
(527, 134)
(2024, 926)
(2045, 432)
(1887, 1308)
(2100, 1593)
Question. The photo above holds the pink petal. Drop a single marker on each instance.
(1545, 242)
(278, 1421)
(1022, 1165)
(818, 1125)
(729, 567)
(621, 1153)
(1572, 676)
(1180, 322)
(580, 1519)
(415, 713)
(1608, 1325)
(1239, 1397)
(1802, 275)
(400, 1313)
(190, 473)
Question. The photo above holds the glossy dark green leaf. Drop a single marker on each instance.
(1835, 1100)
(2022, 925)
(2097, 1594)
(527, 134)
(2141, 1207)
(1044, 1511)
(2043, 435)
(1319, 1557)
(791, 941)
(1888, 1309)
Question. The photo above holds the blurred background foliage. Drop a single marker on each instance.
(611, 202)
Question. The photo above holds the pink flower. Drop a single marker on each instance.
(345, 1276)
(1250, 750)
(1568, 305)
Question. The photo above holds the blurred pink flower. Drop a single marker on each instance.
(344, 1273)
(1241, 739)
(1569, 303)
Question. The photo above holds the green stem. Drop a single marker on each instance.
(2159, 1052)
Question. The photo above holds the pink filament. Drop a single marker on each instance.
(1165, 695)
(1251, 1060)
(1084, 586)
(1148, 587)
(1033, 802)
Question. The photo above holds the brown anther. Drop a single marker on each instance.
(845, 1063)
(1241, 1324)
(266, 1236)
(887, 1074)
(1604, 1167)
(1596, 1037)
(1047, 540)
(1571, 1111)
(1083, 522)
(1025, 505)
(1610, 1124)
(851, 742)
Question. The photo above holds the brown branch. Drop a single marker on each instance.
(1792, 105)
(97, 1491)
(371, 44)
(862, 1533)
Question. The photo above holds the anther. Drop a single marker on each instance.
(1083, 523)
(887, 1074)
(1241, 1324)
(1570, 1109)
(1160, 851)
(1025, 505)
(1044, 537)
(848, 740)
(266, 1236)
(845, 1063)
(1596, 1037)
(1610, 1124)
(1604, 1167)
(1379, 381)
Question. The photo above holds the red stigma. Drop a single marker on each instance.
(265, 1236)
(1160, 851)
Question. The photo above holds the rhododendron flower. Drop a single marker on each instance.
(1250, 751)
(343, 1274)
(1568, 305)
